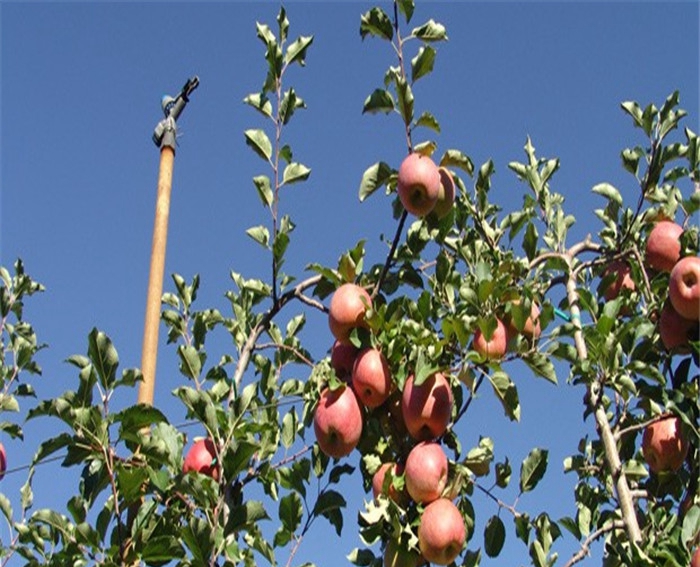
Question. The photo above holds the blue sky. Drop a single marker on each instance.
(81, 84)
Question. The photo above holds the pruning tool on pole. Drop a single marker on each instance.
(164, 136)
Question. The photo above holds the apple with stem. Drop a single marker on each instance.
(201, 458)
(338, 421)
(675, 331)
(663, 445)
(382, 483)
(418, 184)
(343, 359)
(371, 378)
(347, 310)
(531, 328)
(494, 347)
(427, 407)
(441, 532)
(446, 195)
(663, 246)
(426, 472)
(618, 277)
(684, 287)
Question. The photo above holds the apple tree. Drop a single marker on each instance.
(467, 292)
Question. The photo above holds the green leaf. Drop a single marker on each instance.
(507, 394)
(260, 234)
(494, 536)
(691, 524)
(295, 172)
(134, 418)
(533, 469)
(190, 363)
(609, 192)
(104, 357)
(290, 103)
(379, 101)
(456, 158)
(427, 120)
(291, 511)
(407, 7)
(376, 23)
(260, 143)
(541, 365)
(405, 99)
(296, 52)
(329, 505)
(373, 178)
(430, 31)
(262, 184)
(260, 102)
(422, 64)
(6, 507)
(290, 423)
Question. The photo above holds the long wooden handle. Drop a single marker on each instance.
(149, 353)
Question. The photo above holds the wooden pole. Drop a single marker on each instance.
(149, 353)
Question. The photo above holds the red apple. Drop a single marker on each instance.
(664, 446)
(446, 195)
(664, 246)
(396, 556)
(427, 409)
(684, 287)
(201, 458)
(371, 378)
(338, 422)
(441, 533)
(695, 560)
(621, 279)
(492, 348)
(426, 472)
(343, 359)
(347, 310)
(675, 330)
(382, 484)
(3, 461)
(418, 184)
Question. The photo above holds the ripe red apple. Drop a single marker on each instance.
(347, 310)
(382, 484)
(371, 378)
(664, 446)
(396, 556)
(3, 461)
(675, 330)
(202, 458)
(664, 246)
(684, 287)
(492, 348)
(695, 560)
(426, 472)
(621, 279)
(418, 184)
(338, 422)
(427, 409)
(343, 359)
(441, 533)
(446, 195)
(531, 328)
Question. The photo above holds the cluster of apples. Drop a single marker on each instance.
(680, 315)
(664, 446)
(424, 411)
(425, 188)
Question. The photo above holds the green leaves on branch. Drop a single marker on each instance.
(376, 23)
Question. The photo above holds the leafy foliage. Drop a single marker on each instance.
(443, 280)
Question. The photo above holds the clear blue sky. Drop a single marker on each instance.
(81, 84)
